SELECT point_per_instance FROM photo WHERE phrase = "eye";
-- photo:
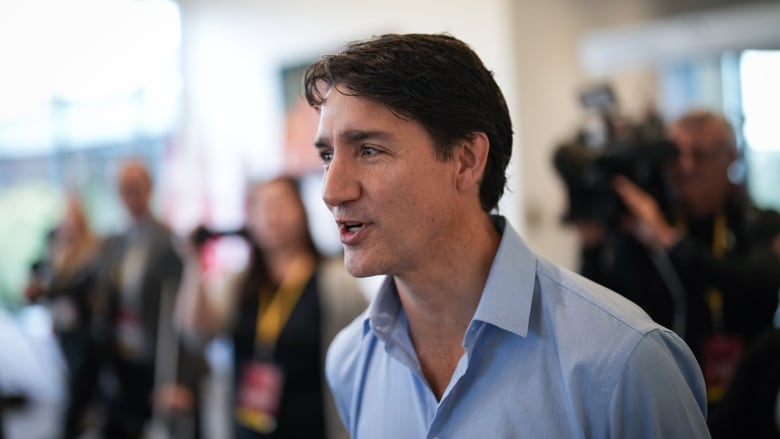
(326, 156)
(368, 151)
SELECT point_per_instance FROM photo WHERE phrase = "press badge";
(259, 395)
(722, 354)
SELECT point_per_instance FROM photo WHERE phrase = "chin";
(360, 265)
(358, 270)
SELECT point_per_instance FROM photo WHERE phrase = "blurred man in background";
(706, 266)
(155, 374)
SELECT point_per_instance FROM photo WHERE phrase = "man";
(471, 335)
(141, 274)
(711, 265)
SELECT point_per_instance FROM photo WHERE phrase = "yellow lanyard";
(714, 296)
(273, 315)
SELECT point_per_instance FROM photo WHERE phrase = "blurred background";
(206, 92)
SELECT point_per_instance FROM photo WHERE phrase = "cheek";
(400, 196)
(258, 225)
(420, 202)
(410, 192)
(254, 231)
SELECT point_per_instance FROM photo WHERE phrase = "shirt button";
(382, 322)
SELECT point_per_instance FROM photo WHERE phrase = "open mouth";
(351, 227)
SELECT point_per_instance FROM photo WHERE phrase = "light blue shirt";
(548, 354)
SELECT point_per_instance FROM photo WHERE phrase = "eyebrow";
(353, 136)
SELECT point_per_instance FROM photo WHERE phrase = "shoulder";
(345, 362)
(163, 231)
(341, 297)
(659, 391)
(343, 359)
(593, 325)
(110, 247)
(600, 308)
(640, 373)
(763, 224)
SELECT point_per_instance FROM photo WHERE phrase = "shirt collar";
(508, 294)
(506, 299)
(385, 309)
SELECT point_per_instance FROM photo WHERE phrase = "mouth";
(351, 232)
(350, 226)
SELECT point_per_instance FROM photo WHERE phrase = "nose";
(341, 182)
(685, 163)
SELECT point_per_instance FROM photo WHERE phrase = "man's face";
(135, 191)
(700, 172)
(393, 201)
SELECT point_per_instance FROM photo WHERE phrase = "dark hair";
(257, 273)
(434, 79)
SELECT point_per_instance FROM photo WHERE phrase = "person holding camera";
(281, 313)
(706, 266)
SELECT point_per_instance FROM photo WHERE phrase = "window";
(759, 73)
(83, 83)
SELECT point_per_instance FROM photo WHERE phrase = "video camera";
(638, 151)
(203, 234)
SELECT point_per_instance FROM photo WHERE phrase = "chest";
(438, 363)
(298, 344)
(504, 389)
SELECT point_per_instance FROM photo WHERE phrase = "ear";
(471, 158)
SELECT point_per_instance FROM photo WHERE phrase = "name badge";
(258, 396)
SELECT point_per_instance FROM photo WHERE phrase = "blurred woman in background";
(282, 311)
(65, 280)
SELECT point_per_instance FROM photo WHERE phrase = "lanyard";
(714, 296)
(273, 313)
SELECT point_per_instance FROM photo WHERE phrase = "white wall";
(549, 75)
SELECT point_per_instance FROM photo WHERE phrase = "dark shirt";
(747, 275)
(749, 406)
(298, 353)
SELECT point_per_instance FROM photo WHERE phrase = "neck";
(140, 216)
(705, 213)
(441, 301)
(280, 260)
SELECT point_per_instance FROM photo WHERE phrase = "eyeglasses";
(701, 155)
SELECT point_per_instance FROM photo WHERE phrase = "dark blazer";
(159, 283)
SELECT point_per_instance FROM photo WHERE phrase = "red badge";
(259, 394)
(721, 357)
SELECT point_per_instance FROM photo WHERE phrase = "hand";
(646, 221)
(591, 233)
(174, 398)
(34, 290)
(200, 236)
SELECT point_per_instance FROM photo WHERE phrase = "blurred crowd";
(134, 312)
